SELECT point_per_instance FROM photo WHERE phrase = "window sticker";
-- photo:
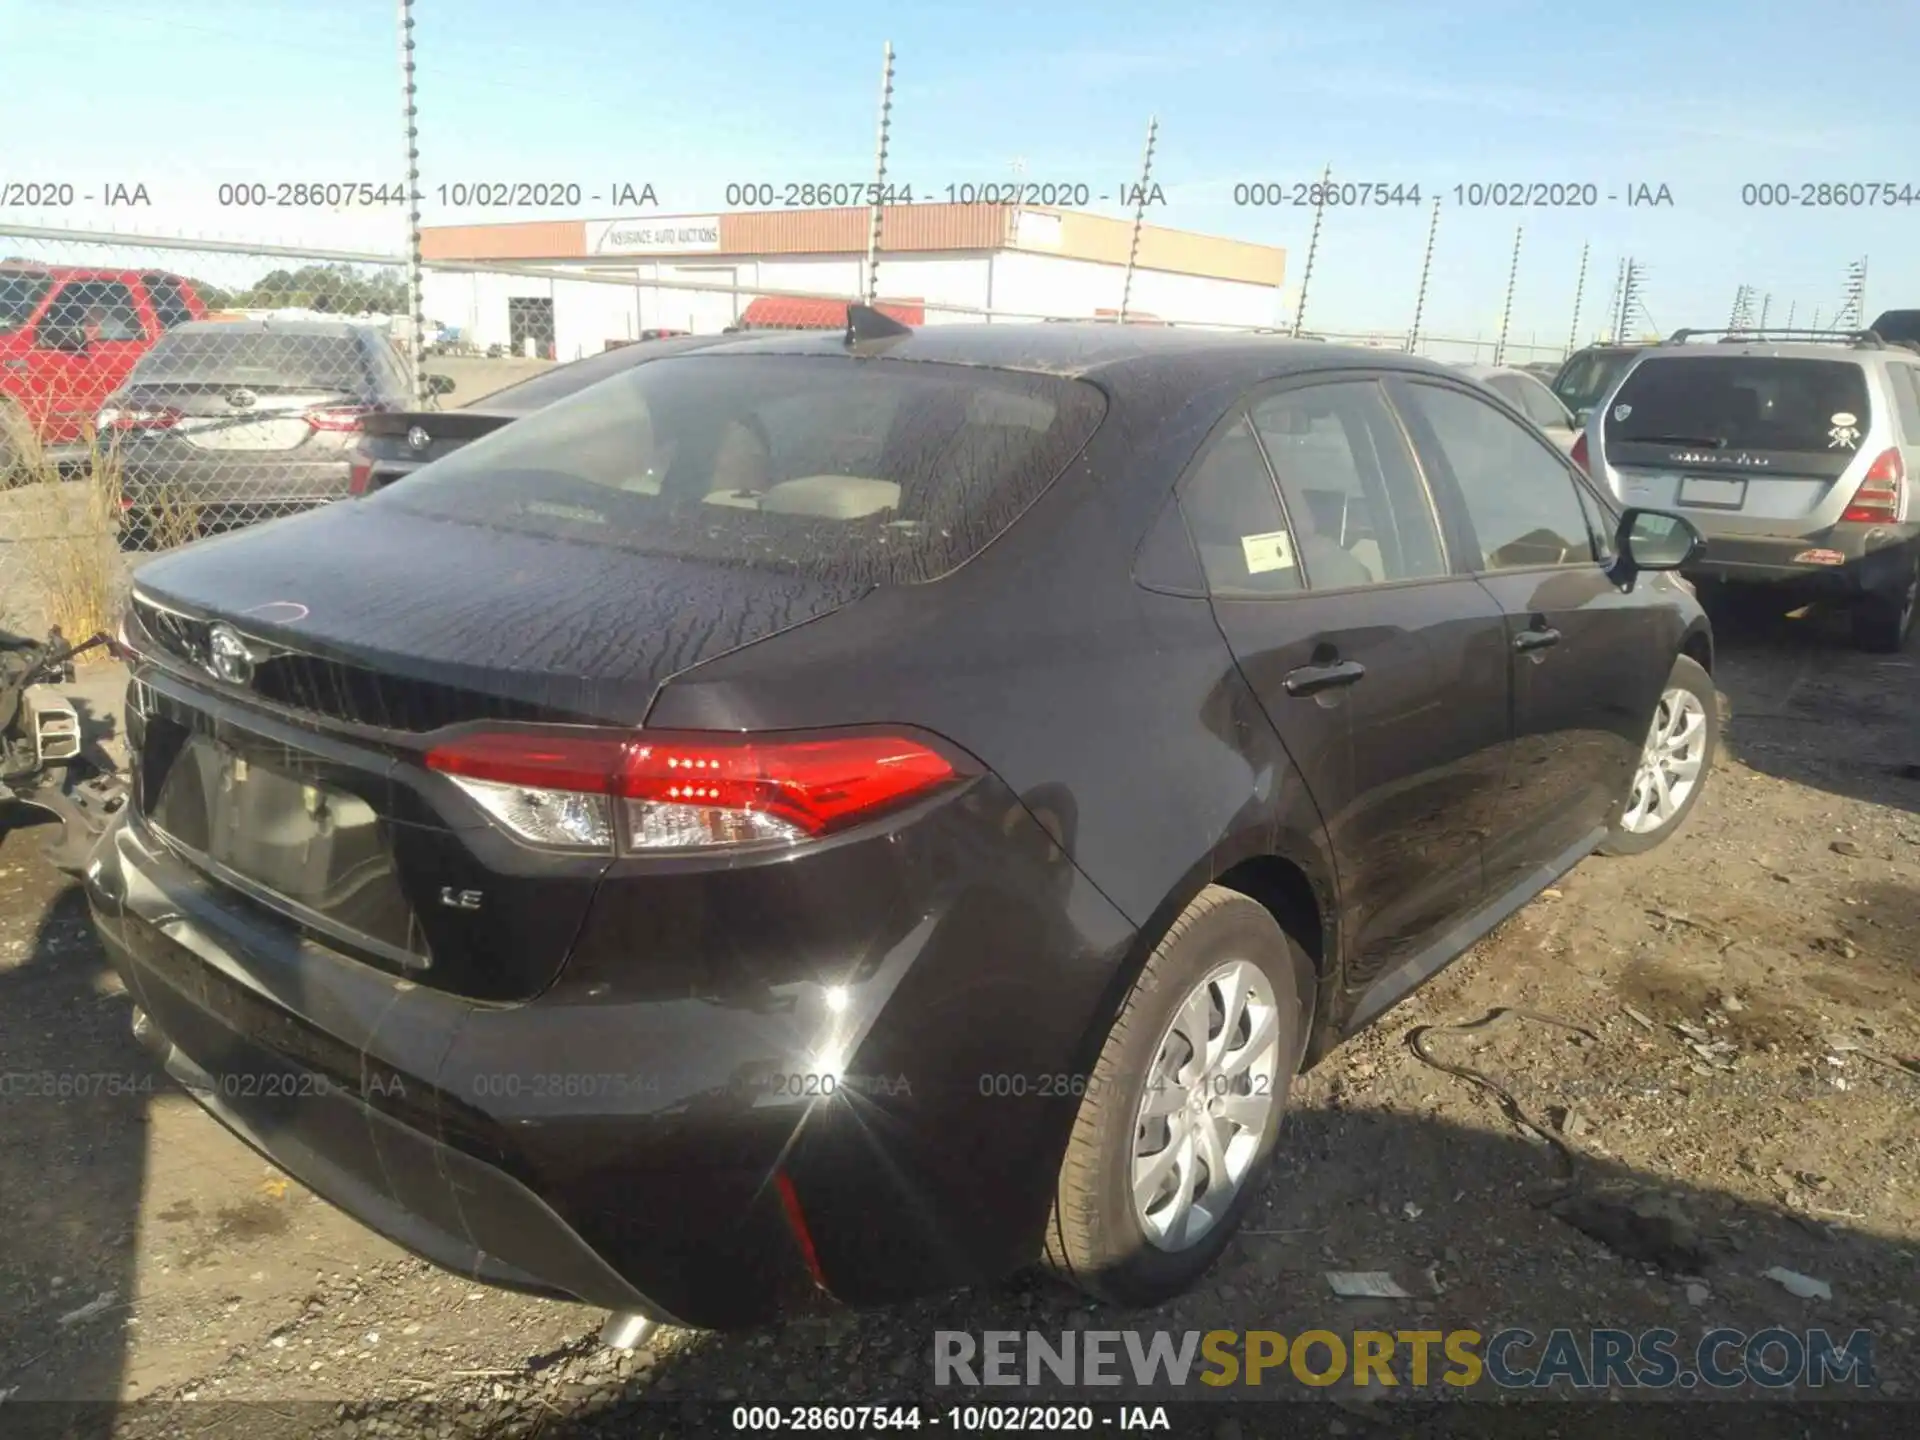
(1264, 553)
(1845, 434)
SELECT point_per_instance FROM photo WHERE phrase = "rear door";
(1587, 661)
(1383, 671)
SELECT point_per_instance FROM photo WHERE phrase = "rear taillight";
(1877, 501)
(1579, 452)
(687, 790)
(338, 417)
(124, 418)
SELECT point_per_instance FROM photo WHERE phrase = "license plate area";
(265, 433)
(1712, 492)
(281, 836)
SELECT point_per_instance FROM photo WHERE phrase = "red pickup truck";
(68, 337)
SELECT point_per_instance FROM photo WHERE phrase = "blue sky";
(1702, 97)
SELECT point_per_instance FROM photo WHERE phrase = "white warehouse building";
(704, 273)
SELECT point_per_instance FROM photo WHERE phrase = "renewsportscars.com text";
(1774, 1358)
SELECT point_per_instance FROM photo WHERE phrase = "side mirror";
(71, 339)
(1654, 540)
(1580, 418)
(440, 384)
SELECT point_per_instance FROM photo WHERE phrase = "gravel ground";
(1743, 1099)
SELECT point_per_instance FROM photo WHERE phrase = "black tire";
(1688, 675)
(1094, 1239)
(1883, 622)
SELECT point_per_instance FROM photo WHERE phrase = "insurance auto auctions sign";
(666, 235)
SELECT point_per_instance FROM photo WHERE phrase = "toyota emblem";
(418, 439)
(241, 399)
(228, 657)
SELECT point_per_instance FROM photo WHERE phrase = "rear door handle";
(1312, 679)
(1536, 639)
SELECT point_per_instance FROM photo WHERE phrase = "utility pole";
(1426, 269)
(1506, 311)
(1579, 291)
(878, 210)
(1613, 305)
(1139, 215)
(1313, 246)
(416, 311)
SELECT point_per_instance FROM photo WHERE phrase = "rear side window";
(1234, 516)
(105, 309)
(168, 303)
(1742, 402)
(242, 355)
(1519, 495)
(1360, 512)
(866, 470)
(1906, 394)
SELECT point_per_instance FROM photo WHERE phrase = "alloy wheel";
(1210, 1094)
(1670, 763)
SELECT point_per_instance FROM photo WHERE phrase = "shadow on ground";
(1809, 707)
(74, 1094)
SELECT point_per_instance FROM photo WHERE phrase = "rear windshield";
(20, 296)
(1742, 402)
(244, 355)
(1584, 380)
(866, 470)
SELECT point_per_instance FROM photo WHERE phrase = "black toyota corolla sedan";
(859, 814)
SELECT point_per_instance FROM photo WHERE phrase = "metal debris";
(1794, 1283)
(1365, 1285)
(95, 1307)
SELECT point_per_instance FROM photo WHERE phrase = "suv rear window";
(244, 356)
(874, 471)
(1742, 402)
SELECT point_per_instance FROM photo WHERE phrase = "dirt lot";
(1746, 1100)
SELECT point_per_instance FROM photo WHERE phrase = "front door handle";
(1536, 639)
(1312, 679)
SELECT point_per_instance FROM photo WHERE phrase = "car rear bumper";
(705, 1151)
(520, 1170)
(1844, 560)
(232, 479)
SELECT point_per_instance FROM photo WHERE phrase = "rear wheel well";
(1283, 888)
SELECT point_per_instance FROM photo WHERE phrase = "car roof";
(38, 271)
(1765, 350)
(329, 329)
(1487, 372)
(1091, 349)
